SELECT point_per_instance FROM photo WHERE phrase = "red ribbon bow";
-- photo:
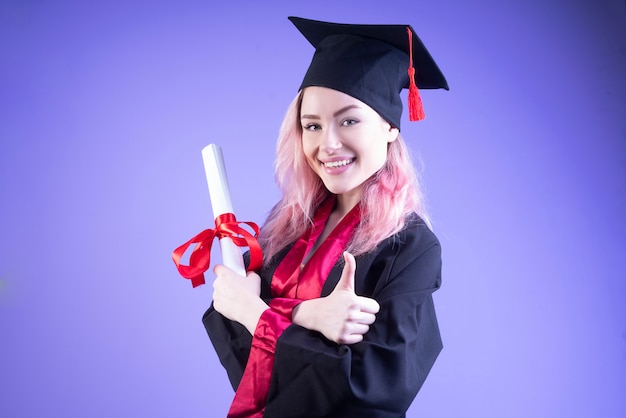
(226, 226)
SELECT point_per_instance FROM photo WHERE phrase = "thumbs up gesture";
(342, 316)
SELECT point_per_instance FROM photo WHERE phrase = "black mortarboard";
(371, 63)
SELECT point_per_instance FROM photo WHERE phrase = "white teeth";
(334, 164)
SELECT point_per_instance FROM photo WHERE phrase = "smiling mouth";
(340, 163)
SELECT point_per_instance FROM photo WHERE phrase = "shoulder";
(411, 259)
(415, 236)
(414, 241)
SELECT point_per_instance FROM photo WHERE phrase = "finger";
(222, 269)
(358, 329)
(218, 268)
(351, 339)
(368, 305)
(363, 318)
(346, 281)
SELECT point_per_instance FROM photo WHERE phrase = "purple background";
(105, 106)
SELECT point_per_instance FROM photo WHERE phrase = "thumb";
(346, 281)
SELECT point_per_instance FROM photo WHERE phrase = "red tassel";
(416, 108)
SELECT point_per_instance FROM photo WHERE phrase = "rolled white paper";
(220, 202)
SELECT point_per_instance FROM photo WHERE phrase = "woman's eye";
(349, 122)
(311, 127)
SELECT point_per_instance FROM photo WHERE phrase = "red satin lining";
(290, 286)
(226, 226)
(315, 272)
(249, 401)
(285, 280)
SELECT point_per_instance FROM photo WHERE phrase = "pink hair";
(388, 197)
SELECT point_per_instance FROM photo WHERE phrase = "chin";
(339, 189)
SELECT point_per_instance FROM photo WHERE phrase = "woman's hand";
(342, 316)
(237, 297)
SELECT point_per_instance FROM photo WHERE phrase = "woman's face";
(344, 140)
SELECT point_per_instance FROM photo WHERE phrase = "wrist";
(252, 314)
(302, 314)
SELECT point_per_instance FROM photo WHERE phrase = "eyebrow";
(337, 113)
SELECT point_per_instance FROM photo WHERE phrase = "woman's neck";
(346, 202)
(339, 211)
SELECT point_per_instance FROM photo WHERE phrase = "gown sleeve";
(231, 341)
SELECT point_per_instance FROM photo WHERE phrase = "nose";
(330, 142)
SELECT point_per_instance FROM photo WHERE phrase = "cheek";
(381, 158)
(378, 151)
(308, 149)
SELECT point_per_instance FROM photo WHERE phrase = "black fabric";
(368, 62)
(378, 377)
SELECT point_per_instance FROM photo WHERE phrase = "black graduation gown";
(378, 377)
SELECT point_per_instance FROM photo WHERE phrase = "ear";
(392, 134)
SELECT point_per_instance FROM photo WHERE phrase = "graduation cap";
(371, 63)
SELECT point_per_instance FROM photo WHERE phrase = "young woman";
(339, 321)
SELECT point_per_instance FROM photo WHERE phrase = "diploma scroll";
(221, 203)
